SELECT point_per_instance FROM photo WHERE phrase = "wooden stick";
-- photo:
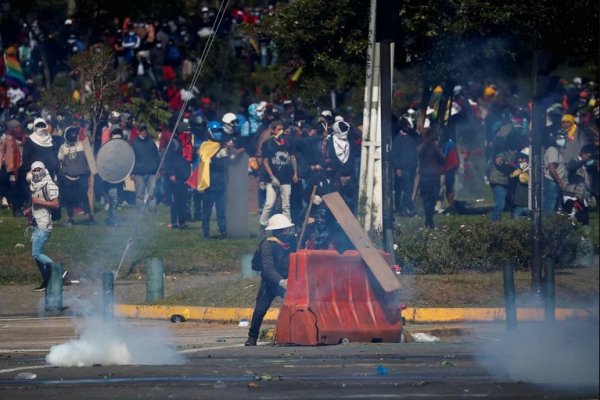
(308, 208)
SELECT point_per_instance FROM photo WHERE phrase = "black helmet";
(71, 134)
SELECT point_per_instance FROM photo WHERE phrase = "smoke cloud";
(111, 343)
(556, 355)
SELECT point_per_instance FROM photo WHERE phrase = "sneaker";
(69, 222)
(223, 236)
(184, 227)
(173, 226)
(40, 288)
(4, 202)
(250, 342)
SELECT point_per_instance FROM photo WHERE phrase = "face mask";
(560, 142)
(523, 165)
(37, 176)
(589, 163)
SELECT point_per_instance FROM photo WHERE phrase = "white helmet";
(278, 221)
(230, 121)
(229, 118)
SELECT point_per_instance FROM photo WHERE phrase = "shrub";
(479, 245)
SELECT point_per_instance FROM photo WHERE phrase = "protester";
(145, 169)
(519, 186)
(431, 162)
(77, 163)
(555, 176)
(214, 154)
(577, 194)
(44, 196)
(272, 257)
(178, 161)
(281, 170)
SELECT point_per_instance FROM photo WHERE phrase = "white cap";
(338, 118)
(278, 221)
(326, 113)
(39, 121)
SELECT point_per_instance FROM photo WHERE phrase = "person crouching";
(274, 258)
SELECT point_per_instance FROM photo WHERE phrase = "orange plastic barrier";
(333, 298)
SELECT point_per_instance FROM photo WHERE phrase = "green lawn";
(91, 250)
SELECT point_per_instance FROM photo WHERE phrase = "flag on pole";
(13, 72)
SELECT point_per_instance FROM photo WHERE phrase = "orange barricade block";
(332, 298)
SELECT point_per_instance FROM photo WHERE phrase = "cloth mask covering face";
(589, 163)
(560, 142)
(523, 165)
(38, 176)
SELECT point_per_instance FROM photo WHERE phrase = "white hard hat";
(278, 221)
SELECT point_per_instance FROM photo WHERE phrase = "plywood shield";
(115, 160)
(359, 238)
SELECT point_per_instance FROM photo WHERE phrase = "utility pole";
(538, 123)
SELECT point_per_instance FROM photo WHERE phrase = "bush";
(479, 245)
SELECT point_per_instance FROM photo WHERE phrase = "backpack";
(75, 164)
(256, 259)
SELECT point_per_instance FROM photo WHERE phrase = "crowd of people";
(297, 156)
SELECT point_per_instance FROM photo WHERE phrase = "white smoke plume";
(555, 355)
(110, 343)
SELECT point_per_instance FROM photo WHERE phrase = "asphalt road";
(487, 363)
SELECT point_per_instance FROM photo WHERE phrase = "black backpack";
(256, 259)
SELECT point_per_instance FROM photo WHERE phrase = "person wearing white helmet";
(272, 258)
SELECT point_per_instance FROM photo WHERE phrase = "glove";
(317, 200)
(283, 283)
(275, 182)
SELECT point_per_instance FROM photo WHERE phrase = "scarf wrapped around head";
(573, 128)
(340, 140)
(41, 137)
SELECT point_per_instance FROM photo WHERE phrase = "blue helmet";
(215, 130)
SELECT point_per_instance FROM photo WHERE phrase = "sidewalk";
(411, 315)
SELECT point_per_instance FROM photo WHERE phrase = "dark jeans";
(499, 193)
(552, 194)
(430, 190)
(216, 198)
(178, 202)
(404, 187)
(75, 193)
(265, 296)
(197, 199)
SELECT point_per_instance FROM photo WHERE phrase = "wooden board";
(359, 238)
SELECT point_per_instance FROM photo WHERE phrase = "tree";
(328, 39)
(151, 113)
(97, 84)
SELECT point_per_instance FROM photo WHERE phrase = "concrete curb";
(412, 315)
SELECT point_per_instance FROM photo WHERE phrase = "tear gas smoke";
(554, 355)
(111, 343)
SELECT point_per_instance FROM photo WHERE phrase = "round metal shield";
(115, 160)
